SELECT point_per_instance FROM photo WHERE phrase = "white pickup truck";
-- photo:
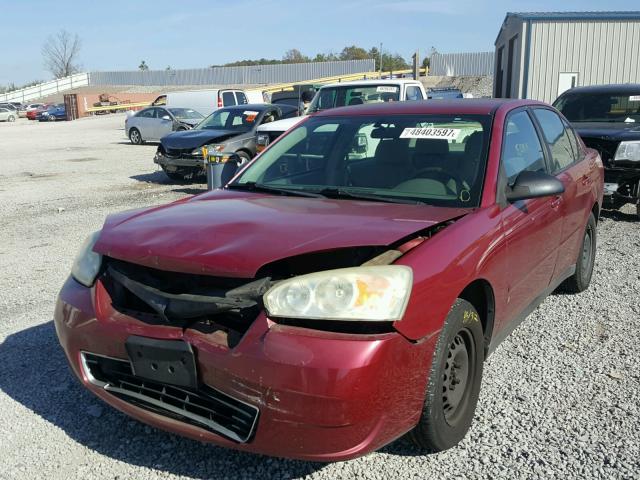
(342, 94)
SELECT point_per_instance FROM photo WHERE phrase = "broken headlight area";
(212, 305)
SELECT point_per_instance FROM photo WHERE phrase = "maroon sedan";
(345, 287)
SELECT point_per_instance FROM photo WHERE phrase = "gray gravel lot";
(559, 397)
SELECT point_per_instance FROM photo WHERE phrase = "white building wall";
(599, 52)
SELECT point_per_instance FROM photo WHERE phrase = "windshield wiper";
(261, 187)
(342, 193)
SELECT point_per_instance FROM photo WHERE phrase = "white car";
(345, 94)
(204, 101)
(7, 115)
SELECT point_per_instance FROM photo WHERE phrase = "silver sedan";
(153, 123)
(7, 115)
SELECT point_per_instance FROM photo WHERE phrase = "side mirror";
(166, 117)
(534, 185)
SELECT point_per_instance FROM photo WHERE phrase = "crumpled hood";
(195, 138)
(233, 234)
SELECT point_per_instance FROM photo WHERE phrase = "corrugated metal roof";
(604, 15)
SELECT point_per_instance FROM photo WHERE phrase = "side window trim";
(548, 155)
(546, 148)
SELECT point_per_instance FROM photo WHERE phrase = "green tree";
(143, 66)
(354, 53)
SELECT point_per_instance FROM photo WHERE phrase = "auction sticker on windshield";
(433, 132)
(634, 98)
(383, 89)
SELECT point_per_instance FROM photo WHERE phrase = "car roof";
(610, 88)
(251, 106)
(376, 81)
(469, 106)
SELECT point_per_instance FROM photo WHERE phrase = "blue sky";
(117, 35)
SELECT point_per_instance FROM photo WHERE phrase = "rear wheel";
(454, 381)
(135, 137)
(579, 281)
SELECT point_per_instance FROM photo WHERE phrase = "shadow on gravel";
(34, 372)
(619, 216)
(160, 178)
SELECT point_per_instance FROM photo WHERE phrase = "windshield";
(439, 160)
(186, 114)
(332, 97)
(237, 119)
(600, 107)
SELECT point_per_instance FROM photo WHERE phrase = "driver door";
(532, 227)
(162, 125)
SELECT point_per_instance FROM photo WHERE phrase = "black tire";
(11, 118)
(454, 381)
(186, 174)
(135, 136)
(579, 281)
(244, 158)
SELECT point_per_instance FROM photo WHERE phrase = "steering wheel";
(442, 176)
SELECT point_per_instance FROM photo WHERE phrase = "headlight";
(376, 293)
(629, 151)
(87, 263)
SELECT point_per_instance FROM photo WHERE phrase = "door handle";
(555, 203)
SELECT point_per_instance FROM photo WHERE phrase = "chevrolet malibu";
(345, 288)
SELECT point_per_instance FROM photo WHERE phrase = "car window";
(522, 150)
(241, 98)
(270, 116)
(148, 113)
(332, 97)
(228, 99)
(161, 112)
(573, 139)
(414, 93)
(435, 159)
(600, 107)
(556, 136)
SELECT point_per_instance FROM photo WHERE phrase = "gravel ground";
(559, 397)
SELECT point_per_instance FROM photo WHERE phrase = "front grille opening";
(206, 408)
(233, 323)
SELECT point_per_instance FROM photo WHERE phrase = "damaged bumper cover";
(317, 395)
(179, 160)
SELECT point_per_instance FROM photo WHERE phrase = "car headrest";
(432, 146)
(473, 145)
(386, 132)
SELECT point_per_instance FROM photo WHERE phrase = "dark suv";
(607, 117)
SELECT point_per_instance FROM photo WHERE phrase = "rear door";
(568, 164)
(532, 227)
(228, 98)
(241, 98)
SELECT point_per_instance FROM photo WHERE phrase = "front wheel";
(135, 137)
(579, 281)
(11, 118)
(454, 381)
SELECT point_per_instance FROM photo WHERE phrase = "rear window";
(332, 97)
(228, 99)
(600, 107)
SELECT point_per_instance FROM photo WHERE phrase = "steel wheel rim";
(457, 378)
(587, 251)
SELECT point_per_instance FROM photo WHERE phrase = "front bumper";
(321, 396)
(179, 161)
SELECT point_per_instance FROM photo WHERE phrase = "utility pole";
(380, 63)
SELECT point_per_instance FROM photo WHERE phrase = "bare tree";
(60, 53)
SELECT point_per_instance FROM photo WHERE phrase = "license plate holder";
(163, 361)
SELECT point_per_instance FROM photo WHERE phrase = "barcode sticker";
(383, 89)
(432, 132)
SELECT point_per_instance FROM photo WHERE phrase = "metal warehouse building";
(540, 55)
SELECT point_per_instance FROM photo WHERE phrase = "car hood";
(233, 234)
(608, 130)
(195, 138)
